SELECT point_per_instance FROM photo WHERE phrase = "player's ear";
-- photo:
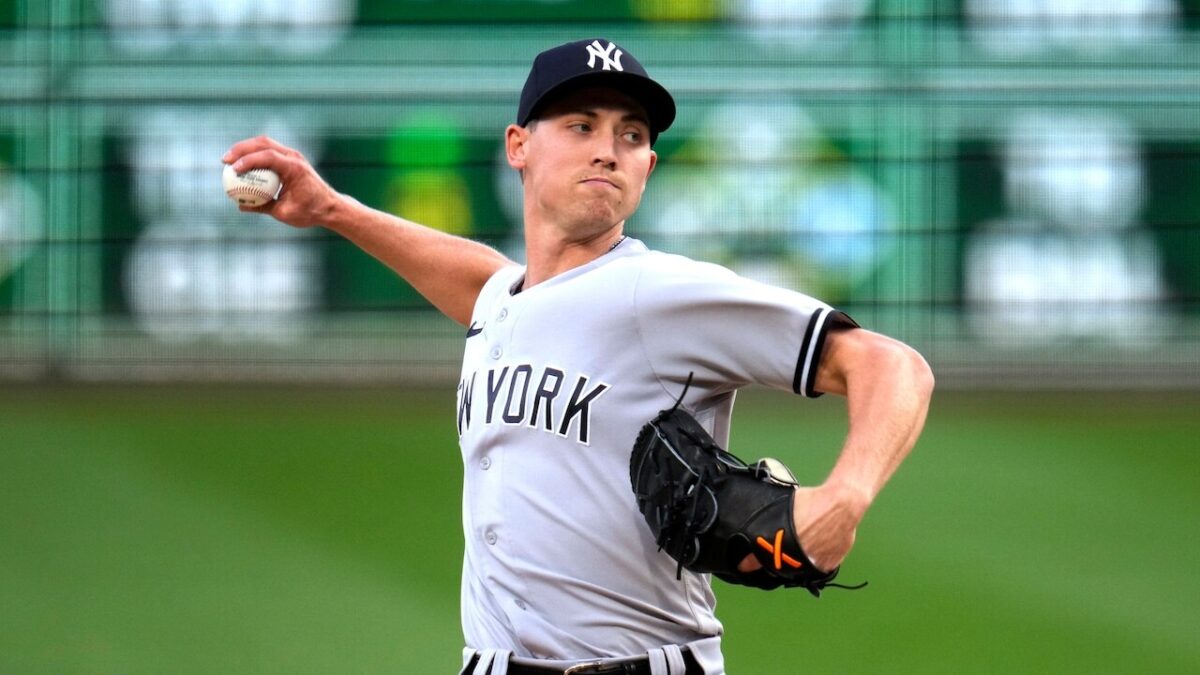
(653, 163)
(515, 145)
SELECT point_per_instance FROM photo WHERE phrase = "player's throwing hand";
(305, 197)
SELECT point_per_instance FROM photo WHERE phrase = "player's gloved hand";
(709, 510)
(826, 519)
(305, 199)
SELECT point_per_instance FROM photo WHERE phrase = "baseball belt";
(635, 666)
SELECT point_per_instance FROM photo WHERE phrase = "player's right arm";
(448, 270)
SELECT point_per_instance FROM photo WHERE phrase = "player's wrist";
(855, 497)
(341, 212)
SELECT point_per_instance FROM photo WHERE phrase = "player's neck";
(549, 254)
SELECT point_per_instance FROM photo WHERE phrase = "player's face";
(585, 161)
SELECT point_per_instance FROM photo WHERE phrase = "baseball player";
(567, 358)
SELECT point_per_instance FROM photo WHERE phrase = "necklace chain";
(521, 284)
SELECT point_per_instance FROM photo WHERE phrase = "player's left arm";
(887, 386)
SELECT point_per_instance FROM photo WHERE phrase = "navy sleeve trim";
(811, 347)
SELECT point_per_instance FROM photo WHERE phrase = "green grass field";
(264, 530)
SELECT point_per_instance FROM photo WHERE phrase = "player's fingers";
(256, 144)
(265, 208)
(749, 564)
(246, 146)
(286, 166)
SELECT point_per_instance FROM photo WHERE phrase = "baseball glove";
(708, 509)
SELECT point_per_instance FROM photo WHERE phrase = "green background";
(244, 527)
(273, 530)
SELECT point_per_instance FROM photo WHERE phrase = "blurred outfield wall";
(1013, 187)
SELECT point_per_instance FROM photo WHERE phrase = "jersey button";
(490, 537)
(496, 352)
(485, 463)
(503, 314)
(520, 604)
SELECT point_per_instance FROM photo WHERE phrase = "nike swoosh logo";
(473, 331)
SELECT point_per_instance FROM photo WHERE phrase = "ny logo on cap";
(609, 59)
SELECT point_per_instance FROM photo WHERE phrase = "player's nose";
(604, 153)
(608, 162)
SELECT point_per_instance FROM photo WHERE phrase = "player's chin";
(601, 212)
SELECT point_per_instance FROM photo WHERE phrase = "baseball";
(253, 188)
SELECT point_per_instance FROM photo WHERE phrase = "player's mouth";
(600, 181)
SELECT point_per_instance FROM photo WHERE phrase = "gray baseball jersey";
(557, 380)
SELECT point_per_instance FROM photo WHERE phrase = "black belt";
(638, 666)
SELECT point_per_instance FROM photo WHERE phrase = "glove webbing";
(691, 526)
(684, 498)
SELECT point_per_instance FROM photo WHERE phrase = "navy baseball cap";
(598, 62)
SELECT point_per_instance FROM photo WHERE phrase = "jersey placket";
(491, 513)
(498, 336)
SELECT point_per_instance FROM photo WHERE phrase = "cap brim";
(653, 97)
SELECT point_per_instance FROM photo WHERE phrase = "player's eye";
(581, 127)
(633, 136)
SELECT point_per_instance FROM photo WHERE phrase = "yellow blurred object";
(676, 10)
(437, 198)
